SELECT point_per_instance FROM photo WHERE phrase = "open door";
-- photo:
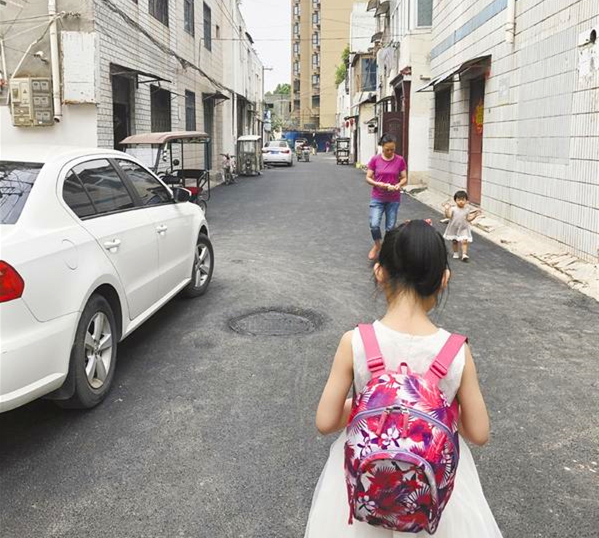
(475, 139)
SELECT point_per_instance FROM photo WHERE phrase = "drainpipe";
(55, 61)
(510, 23)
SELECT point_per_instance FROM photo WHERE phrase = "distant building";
(319, 34)
(279, 105)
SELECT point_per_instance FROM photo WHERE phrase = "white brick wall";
(541, 126)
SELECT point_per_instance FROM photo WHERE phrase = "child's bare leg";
(465, 250)
(454, 246)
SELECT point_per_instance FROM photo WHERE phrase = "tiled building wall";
(541, 123)
(120, 42)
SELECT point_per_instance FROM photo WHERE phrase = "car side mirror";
(181, 195)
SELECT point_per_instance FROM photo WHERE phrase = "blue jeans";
(377, 208)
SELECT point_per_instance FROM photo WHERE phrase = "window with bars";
(189, 17)
(315, 38)
(207, 27)
(316, 17)
(159, 10)
(160, 109)
(190, 111)
(316, 59)
(296, 47)
(442, 118)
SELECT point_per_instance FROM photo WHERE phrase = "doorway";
(475, 139)
(122, 108)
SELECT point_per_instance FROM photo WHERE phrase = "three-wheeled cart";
(179, 158)
(342, 150)
(249, 155)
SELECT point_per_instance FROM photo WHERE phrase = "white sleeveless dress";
(467, 514)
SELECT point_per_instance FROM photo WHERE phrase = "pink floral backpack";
(402, 451)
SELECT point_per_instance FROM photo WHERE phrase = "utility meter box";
(31, 102)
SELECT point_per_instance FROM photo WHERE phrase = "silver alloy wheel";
(98, 350)
(202, 264)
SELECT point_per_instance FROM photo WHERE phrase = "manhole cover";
(274, 322)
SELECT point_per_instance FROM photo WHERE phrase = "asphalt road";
(210, 433)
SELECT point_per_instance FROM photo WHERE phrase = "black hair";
(386, 138)
(414, 255)
(460, 195)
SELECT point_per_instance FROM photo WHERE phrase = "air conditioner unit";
(31, 102)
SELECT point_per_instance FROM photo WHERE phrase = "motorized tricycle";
(249, 155)
(179, 158)
(342, 150)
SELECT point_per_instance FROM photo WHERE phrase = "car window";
(16, 182)
(150, 190)
(104, 186)
(76, 197)
(278, 144)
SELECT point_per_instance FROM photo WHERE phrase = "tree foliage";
(341, 71)
(283, 89)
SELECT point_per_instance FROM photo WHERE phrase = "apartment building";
(515, 88)
(319, 34)
(104, 69)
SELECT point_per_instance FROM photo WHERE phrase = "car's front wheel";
(93, 355)
(203, 266)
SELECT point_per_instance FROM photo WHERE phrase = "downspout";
(55, 62)
(510, 23)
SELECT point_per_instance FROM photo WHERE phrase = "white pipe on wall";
(510, 23)
(55, 62)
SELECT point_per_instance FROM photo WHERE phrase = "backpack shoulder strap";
(444, 359)
(374, 357)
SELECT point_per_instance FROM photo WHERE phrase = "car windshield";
(277, 144)
(16, 182)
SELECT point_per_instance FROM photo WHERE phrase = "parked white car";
(92, 244)
(277, 152)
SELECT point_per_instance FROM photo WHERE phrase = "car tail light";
(286, 151)
(265, 151)
(11, 283)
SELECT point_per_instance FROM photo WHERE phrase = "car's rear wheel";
(93, 355)
(203, 267)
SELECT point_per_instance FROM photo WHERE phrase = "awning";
(372, 120)
(377, 37)
(382, 100)
(383, 8)
(365, 97)
(122, 71)
(447, 77)
(217, 97)
(372, 4)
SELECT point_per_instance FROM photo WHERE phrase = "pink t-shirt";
(386, 172)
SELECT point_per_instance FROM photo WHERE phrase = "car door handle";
(112, 245)
(162, 228)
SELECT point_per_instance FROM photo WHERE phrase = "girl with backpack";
(400, 468)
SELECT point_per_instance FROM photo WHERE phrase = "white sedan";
(92, 244)
(277, 152)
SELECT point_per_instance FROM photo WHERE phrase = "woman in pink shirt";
(387, 175)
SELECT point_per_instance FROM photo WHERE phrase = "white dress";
(467, 514)
(459, 229)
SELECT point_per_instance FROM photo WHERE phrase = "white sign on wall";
(79, 67)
